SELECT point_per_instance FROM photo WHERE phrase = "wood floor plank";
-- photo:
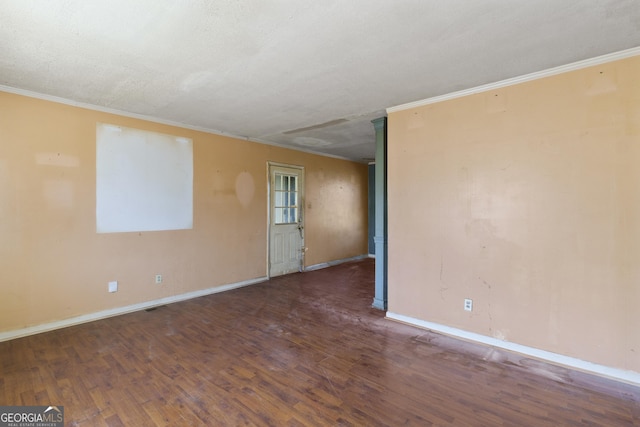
(299, 350)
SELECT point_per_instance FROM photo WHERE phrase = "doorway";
(286, 219)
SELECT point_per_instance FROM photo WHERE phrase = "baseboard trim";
(335, 262)
(85, 318)
(629, 377)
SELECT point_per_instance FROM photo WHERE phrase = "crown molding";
(623, 54)
(152, 119)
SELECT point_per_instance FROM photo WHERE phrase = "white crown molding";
(629, 377)
(92, 107)
(46, 327)
(623, 54)
(101, 109)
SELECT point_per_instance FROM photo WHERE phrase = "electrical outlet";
(158, 278)
(468, 304)
(113, 286)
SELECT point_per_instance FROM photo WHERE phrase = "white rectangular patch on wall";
(144, 180)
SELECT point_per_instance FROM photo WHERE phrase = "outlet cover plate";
(113, 286)
(468, 304)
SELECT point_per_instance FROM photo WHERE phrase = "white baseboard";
(335, 262)
(85, 318)
(629, 377)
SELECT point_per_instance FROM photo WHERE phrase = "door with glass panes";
(286, 227)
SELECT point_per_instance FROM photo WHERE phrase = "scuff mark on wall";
(600, 82)
(496, 102)
(57, 159)
(489, 299)
(442, 289)
(245, 188)
(500, 334)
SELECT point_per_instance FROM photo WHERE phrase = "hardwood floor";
(304, 349)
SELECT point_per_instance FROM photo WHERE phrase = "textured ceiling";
(309, 74)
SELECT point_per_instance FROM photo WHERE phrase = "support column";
(380, 237)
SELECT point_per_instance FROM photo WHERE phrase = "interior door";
(286, 224)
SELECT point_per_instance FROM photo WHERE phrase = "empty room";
(363, 213)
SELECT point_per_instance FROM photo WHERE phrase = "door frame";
(302, 199)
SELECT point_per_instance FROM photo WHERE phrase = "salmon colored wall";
(525, 199)
(55, 266)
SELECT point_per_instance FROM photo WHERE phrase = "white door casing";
(286, 219)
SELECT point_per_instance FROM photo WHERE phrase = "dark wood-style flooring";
(304, 349)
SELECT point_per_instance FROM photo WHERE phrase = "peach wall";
(525, 199)
(55, 266)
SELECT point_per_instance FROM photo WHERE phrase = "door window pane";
(286, 198)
